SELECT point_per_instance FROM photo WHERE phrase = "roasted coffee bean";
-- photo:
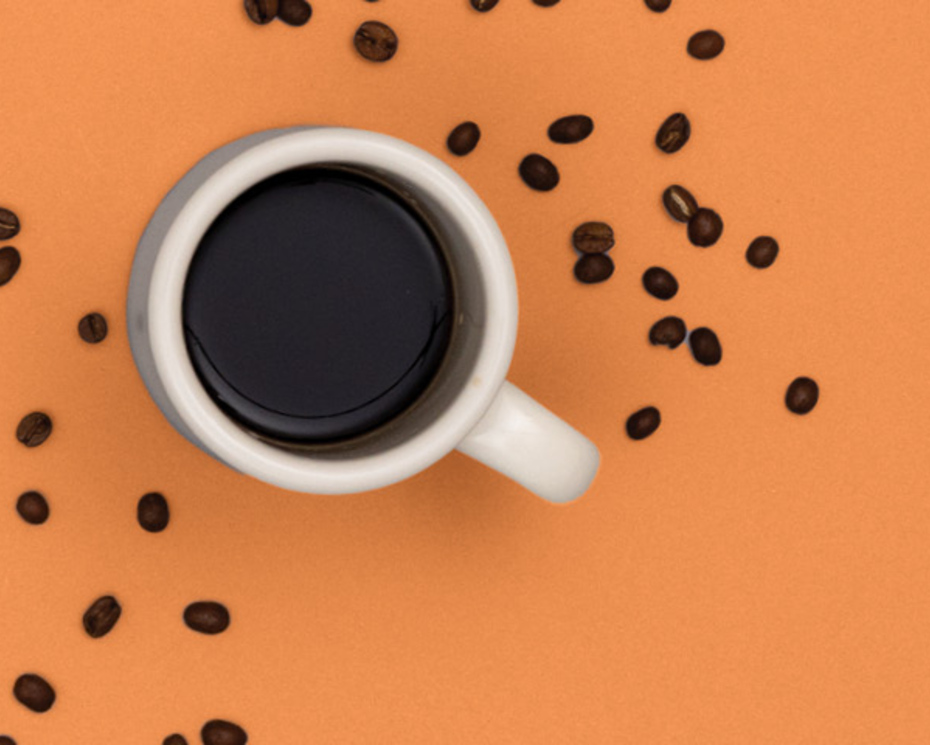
(705, 346)
(658, 6)
(102, 616)
(762, 252)
(679, 203)
(483, 6)
(669, 331)
(593, 238)
(705, 45)
(376, 41)
(9, 224)
(7, 740)
(10, 261)
(802, 395)
(673, 134)
(261, 11)
(464, 138)
(207, 617)
(180, 739)
(546, 3)
(539, 173)
(34, 692)
(643, 423)
(92, 328)
(594, 268)
(34, 429)
(294, 12)
(32, 507)
(153, 513)
(660, 283)
(218, 732)
(571, 129)
(705, 228)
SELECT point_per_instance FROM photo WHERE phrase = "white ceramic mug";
(469, 406)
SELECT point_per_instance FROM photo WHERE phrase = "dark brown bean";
(9, 224)
(92, 328)
(660, 283)
(658, 6)
(802, 395)
(593, 238)
(153, 513)
(34, 692)
(219, 732)
(261, 11)
(705, 346)
(705, 45)
(669, 331)
(180, 739)
(546, 3)
(674, 133)
(10, 261)
(294, 12)
(762, 252)
(376, 41)
(7, 740)
(539, 173)
(34, 429)
(643, 423)
(464, 138)
(705, 228)
(593, 268)
(207, 617)
(33, 507)
(571, 129)
(483, 6)
(102, 616)
(679, 203)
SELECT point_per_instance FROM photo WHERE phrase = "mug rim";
(302, 471)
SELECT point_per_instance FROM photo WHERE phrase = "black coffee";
(318, 306)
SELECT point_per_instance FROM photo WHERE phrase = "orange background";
(743, 576)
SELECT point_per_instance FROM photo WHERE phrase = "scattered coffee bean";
(539, 173)
(643, 423)
(660, 283)
(10, 261)
(294, 12)
(92, 328)
(218, 732)
(32, 507)
(669, 331)
(207, 617)
(102, 616)
(34, 429)
(705, 45)
(180, 739)
(802, 395)
(153, 513)
(7, 740)
(483, 6)
(34, 693)
(705, 228)
(261, 11)
(679, 203)
(546, 3)
(594, 268)
(658, 6)
(571, 129)
(593, 238)
(762, 252)
(705, 346)
(376, 41)
(673, 134)
(9, 224)
(464, 138)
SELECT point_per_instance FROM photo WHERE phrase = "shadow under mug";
(469, 406)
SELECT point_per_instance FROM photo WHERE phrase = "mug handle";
(525, 441)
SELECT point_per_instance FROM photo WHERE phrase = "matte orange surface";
(743, 576)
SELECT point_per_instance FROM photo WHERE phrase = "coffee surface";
(318, 306)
